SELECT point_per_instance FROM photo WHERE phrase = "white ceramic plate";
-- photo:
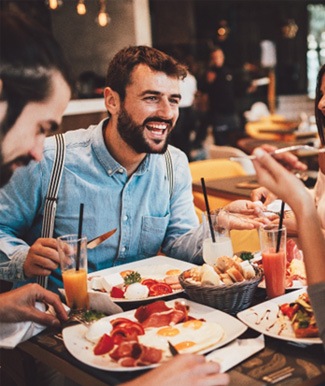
(153, 268)
(79, 347)
(266, 319)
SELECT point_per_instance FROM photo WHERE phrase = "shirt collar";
(106, 159)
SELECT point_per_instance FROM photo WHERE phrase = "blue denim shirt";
(139, 206)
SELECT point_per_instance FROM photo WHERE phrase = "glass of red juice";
(274, 257)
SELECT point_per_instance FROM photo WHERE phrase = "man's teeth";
(157, 128)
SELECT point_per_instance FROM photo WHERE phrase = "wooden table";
(240, 187)
(230, 188)
(308, 361)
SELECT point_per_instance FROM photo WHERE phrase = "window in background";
(315, 44)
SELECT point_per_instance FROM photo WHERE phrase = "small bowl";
(227, 298)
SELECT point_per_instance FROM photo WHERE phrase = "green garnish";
(133, 277)
(246, 256)
(92, 315)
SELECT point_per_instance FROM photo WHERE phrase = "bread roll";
(226, 279)
(235, 274)
(209, 276)
(248, 270)
(224, 263)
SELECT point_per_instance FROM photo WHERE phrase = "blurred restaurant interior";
(281, 40)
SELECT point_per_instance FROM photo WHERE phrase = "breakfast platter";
(207, 330)
(150, 279)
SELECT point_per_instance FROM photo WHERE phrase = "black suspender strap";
(51, 197)
(170, 172)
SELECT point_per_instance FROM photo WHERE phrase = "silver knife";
(98, 240)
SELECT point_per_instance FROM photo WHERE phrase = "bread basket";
(230, 298)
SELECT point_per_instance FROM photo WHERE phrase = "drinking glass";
(221, 246)
(73, 262)
(273, 248)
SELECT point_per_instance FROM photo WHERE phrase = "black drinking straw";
(81, 214)
(280, 227)
(208, 209)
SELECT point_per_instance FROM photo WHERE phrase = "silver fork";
(282, 150)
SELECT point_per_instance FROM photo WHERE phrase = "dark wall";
(250, 22)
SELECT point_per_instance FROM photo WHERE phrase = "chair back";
(215, 151)
(211, 169)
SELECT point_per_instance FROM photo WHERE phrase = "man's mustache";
(157, 119)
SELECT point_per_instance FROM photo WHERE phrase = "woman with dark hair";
(33, 75)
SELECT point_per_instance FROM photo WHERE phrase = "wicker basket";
(228, 298)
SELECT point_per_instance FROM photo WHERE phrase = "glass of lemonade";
(273, 260)
(221, 245)
(73, 261)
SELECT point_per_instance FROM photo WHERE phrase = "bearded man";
(119, 170)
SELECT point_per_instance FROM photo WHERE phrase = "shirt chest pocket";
(153, 231)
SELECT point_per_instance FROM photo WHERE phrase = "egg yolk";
(184, 345)
(195, 324)
(168, 331)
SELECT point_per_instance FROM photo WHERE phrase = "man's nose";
(165, 110)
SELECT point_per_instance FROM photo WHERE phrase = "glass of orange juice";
(274, 258)
(73, 262)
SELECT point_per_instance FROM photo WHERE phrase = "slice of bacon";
(143, 312)
(129, 354)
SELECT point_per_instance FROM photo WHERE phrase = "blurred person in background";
(220, 87)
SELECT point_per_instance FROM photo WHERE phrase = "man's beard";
(6, 170)
(133, 135)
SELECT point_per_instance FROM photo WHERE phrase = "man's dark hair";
(119, 73)
(29, 57)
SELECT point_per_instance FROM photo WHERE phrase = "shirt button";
(109, 171)
(123, 249)
(125, 218)
(120, 170)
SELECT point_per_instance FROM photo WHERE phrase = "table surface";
(308, 361)
(239, 187)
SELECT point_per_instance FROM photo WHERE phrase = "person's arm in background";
(19, 305)
(291, 190)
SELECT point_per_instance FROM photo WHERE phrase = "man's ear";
(112, 101)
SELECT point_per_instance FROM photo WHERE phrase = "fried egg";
(188, 337)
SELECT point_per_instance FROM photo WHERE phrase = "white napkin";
(12, 334)
(101, 302)
(235, 352)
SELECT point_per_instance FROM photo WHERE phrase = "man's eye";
(174, 101)
(151, 98)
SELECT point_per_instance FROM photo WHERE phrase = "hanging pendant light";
(81, 7)
(103, 18)
(54, 4)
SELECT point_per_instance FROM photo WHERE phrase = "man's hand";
(19, 306)
(42, 258)
(244, 214)
(263, 195)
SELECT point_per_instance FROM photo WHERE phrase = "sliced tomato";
(149, 282)
(160, 289)
(117, 321)
(117, 292)
(104, 345)
(289, 310)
